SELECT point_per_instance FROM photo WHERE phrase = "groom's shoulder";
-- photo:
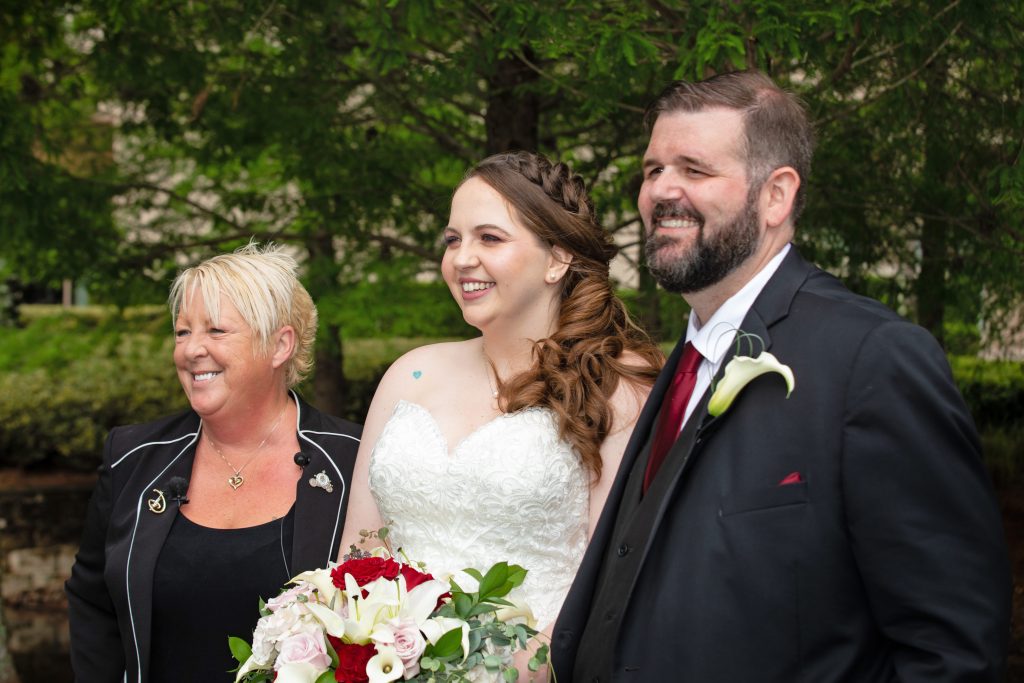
(829, 296)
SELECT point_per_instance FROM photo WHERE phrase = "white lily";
(250, 664)
(518, 611)
(382, 602)
(298, 672)
(422, 600)
(321, 578)
(739, 372)
(434, 628)
(334, 623)
(385, 666)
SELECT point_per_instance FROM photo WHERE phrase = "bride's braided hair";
(578, 368)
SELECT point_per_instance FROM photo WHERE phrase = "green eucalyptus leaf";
(511, 675)
(475, 640)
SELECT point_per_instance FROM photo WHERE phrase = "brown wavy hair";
(578, 368)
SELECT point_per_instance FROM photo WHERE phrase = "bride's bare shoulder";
(435, 355)
(427, 365)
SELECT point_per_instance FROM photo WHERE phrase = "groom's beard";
(712, 256)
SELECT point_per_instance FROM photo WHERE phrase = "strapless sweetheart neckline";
(479, 429)
(510, 490)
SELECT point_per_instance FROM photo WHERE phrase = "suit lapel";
(576, 609)
(771, 305)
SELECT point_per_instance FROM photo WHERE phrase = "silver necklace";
(236, 479)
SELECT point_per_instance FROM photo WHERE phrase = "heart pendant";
(235, 481)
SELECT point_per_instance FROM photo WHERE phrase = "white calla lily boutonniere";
(741, 370)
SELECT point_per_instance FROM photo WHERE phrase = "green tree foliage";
(343, 127)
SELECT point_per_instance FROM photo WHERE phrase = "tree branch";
(875, 96)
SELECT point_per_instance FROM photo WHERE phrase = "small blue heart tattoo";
(416, 374)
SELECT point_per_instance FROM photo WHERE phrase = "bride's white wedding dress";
(511, 490)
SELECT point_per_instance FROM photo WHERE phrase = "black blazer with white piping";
(110, 589)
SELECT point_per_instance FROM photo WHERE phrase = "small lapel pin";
(322, 481)
(158, 504)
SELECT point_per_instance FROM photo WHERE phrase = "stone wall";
(41, 518)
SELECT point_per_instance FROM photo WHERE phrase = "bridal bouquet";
(373, 619)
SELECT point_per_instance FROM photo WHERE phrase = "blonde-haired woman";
(503, 447)
(196, 514)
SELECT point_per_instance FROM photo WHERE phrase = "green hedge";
(993, 389)
(66, 379)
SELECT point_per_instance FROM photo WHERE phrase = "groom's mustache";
(677, 210)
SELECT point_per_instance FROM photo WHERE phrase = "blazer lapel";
(150, 533)
(316, 514)
(319, 495)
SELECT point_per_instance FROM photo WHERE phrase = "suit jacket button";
(623, 550)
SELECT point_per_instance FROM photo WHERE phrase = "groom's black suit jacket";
(885, 561)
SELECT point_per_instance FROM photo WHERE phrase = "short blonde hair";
(261, 283)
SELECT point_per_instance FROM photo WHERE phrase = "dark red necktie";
(673, 408)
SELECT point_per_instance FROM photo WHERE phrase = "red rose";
(414, 577)
(365, 571)
(352, 661)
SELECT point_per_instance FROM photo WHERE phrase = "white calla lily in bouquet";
(374, 618)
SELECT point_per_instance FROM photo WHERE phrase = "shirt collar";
(714, 337)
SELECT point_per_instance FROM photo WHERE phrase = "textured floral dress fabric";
(509, 491)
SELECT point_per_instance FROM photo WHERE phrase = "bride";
(503, 447)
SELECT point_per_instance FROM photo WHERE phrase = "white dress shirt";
(714, 337)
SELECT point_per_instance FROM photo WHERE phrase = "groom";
(845, 533)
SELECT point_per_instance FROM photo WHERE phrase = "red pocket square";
(792, 478)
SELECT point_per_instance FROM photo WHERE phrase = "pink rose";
(288, 597)
(304, 647)
(409, 644)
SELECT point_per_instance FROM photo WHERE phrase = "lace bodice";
(511, 490)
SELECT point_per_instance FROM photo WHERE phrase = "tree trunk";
(931, 203)
(330, 386)
(649, 309)
(931, 282)
(513, 110)
(329, 381)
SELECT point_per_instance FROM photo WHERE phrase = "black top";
(206, 587)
